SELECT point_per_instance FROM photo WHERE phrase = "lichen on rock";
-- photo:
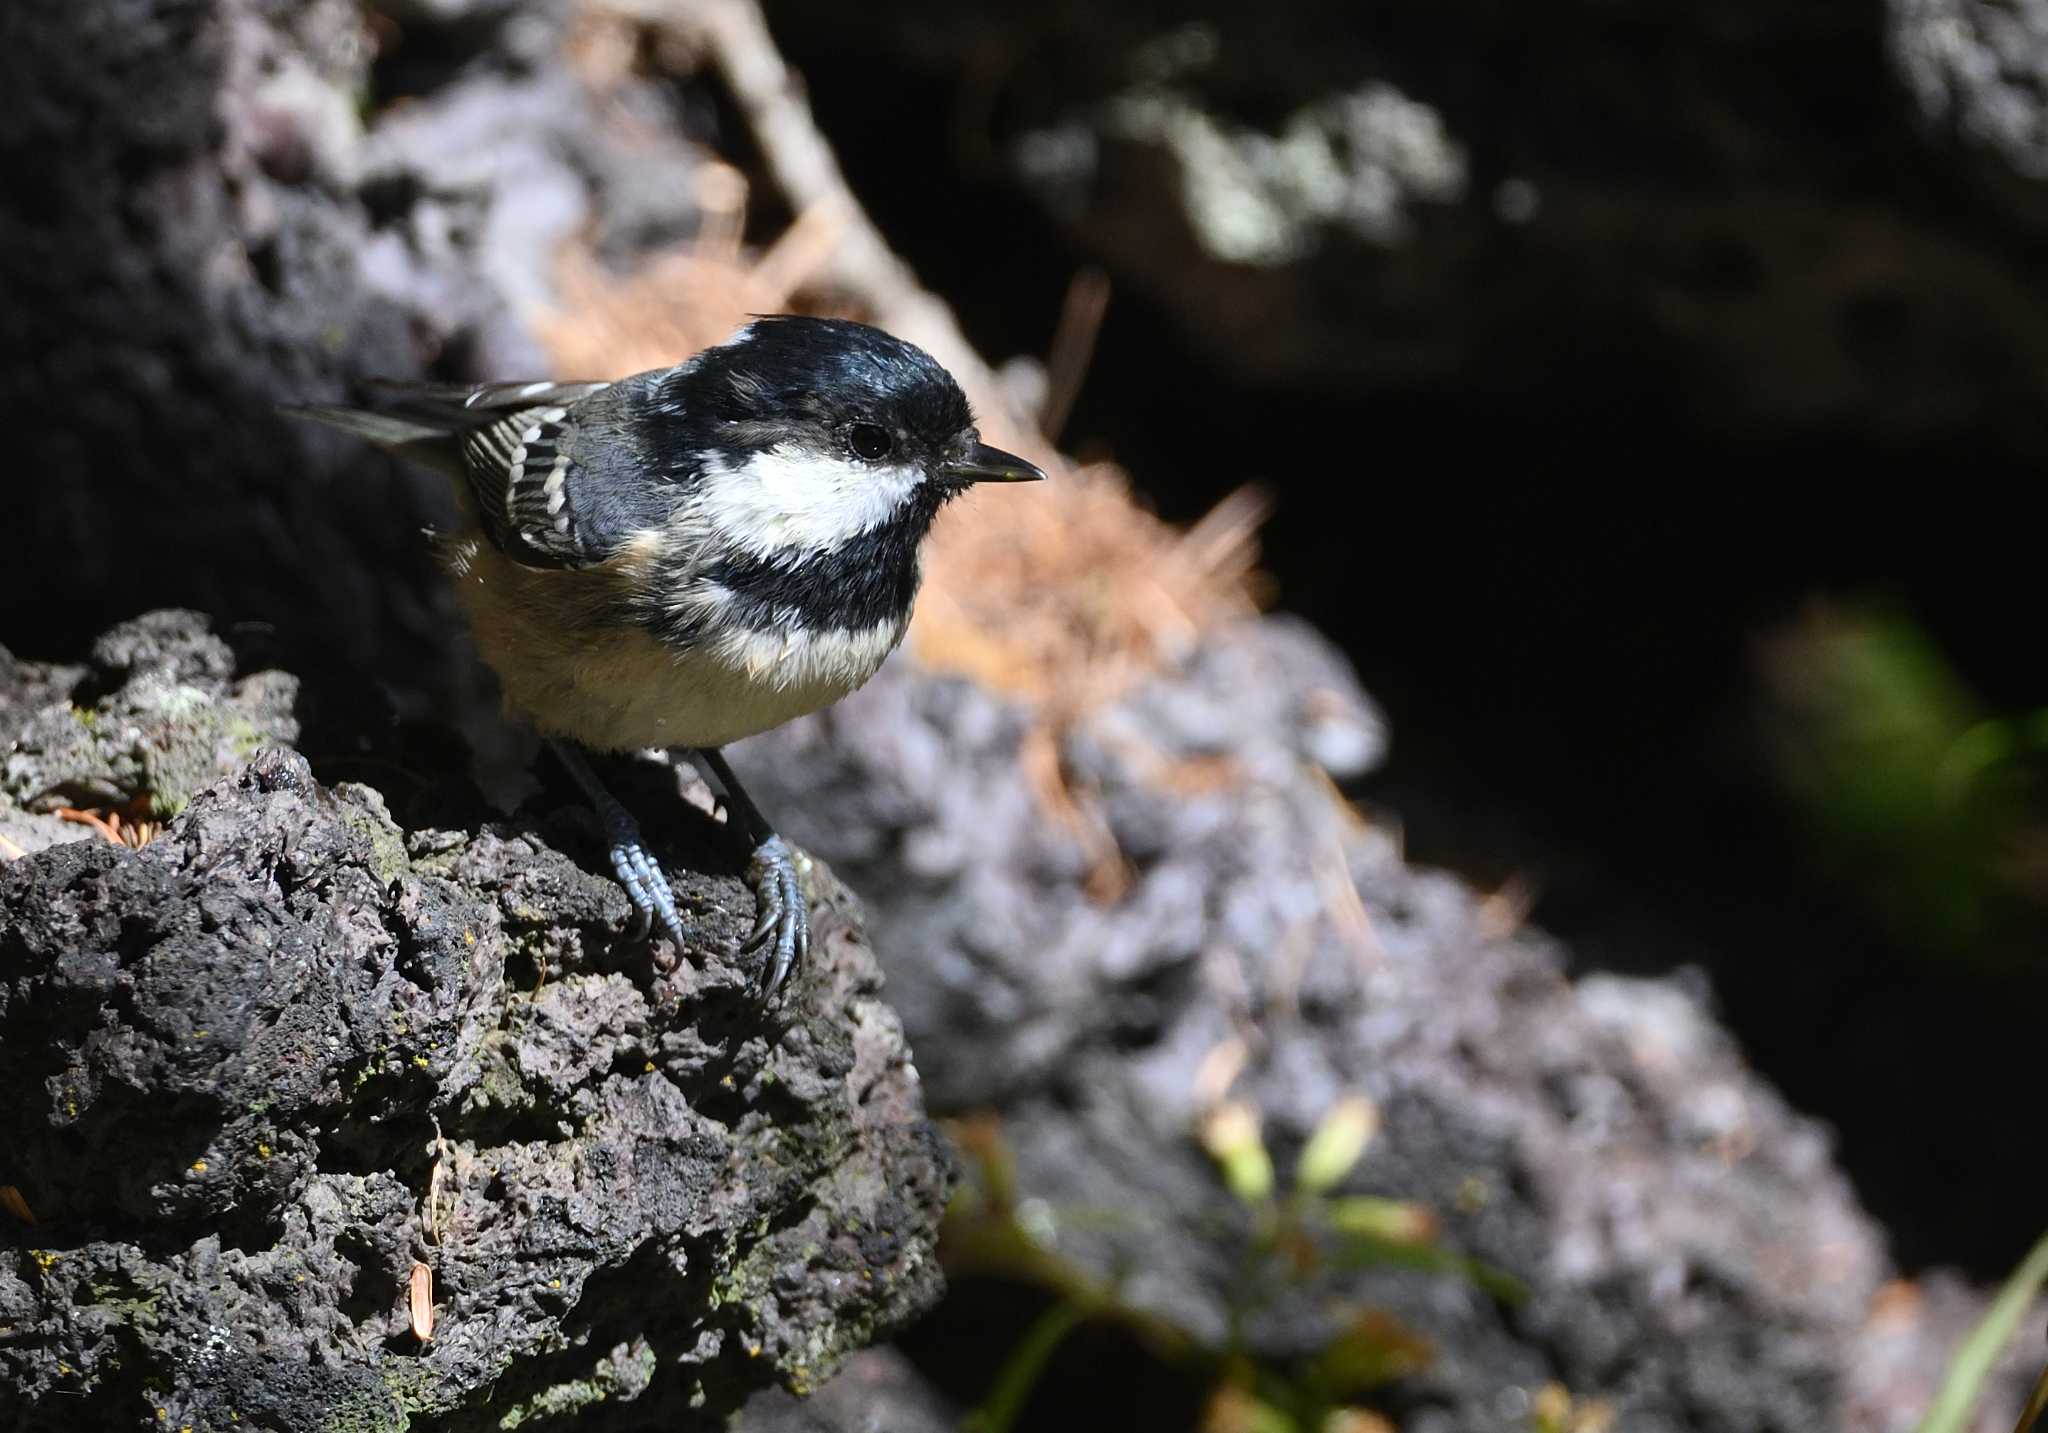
(154, 712)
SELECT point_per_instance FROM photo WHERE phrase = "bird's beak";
(984, 464)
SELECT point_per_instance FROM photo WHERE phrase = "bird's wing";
(549, 464)
(536, 503)
(527, 488)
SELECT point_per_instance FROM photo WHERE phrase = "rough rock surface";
(1694, 1257)
(279, 1055)
(156, 709)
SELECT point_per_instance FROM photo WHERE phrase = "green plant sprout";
(1920, 801)
(1289, 1235)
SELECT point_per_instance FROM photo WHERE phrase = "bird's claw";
(646, 887)
(784, 929)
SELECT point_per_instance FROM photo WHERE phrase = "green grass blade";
(1966, 1374)
(998, 1414)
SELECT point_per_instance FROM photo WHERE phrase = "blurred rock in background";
(1580, 346)
(1746, 213)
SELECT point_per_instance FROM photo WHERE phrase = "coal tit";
(696, 554)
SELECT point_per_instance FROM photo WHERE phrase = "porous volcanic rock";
(286, 1052)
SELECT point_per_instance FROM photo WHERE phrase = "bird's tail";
(427, 436)
(427, 422)
(386, 430)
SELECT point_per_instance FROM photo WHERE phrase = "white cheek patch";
(784, 499)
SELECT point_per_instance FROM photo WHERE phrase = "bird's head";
(815, 431)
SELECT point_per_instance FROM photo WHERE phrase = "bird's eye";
(869, 441)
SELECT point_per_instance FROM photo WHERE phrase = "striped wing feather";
(522, 481)
(511, 437)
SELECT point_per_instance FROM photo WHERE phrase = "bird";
(694, 555)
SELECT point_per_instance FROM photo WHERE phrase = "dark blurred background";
(1651, 397)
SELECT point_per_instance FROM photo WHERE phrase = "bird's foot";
(646, 885)
(783, 932)
(641, 874)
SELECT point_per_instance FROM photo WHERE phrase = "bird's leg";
(784, 928)
(646, 887)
